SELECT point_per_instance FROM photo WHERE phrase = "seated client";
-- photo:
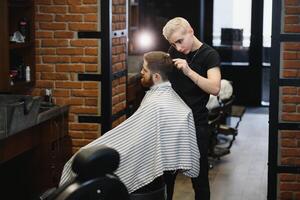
(158, 137)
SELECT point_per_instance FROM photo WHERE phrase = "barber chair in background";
(95, 179)
(222, 133)
(215, 119)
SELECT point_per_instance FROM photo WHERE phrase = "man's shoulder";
(180, 102)
(168, 97)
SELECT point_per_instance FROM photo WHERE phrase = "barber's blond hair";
(173, 25)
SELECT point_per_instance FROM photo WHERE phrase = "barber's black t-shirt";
(200, 61)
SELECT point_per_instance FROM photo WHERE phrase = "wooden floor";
(241, 175)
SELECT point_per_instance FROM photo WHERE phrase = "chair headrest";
(95, 161)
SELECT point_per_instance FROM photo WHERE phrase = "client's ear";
(156, 77)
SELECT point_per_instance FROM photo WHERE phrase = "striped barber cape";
(160, 136)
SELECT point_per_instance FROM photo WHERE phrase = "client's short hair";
(159, 62)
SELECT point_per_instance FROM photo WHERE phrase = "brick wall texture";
(290, 59)
(289, 140)
(290, 104)
(119, 52)
(290, 148)
(61, 56)
(289, 187)
(291, 16)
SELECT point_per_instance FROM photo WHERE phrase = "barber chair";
(215, 152)
(230, 111)
(217, 117)
(95, 179)
(156, 190)
(223, 134)
(224, 129)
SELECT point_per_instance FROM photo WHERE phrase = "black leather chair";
(95, 179)
(217, 116)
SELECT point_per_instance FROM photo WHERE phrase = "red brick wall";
(289, 148)
(289, 140)
(61, 56)
(289, 186)
(291, 59)
(289, 155)
(119, 51)
(291, 16)
(290, 104)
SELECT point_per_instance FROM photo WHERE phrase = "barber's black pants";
(201, 183)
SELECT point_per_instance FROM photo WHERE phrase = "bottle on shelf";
(48, 96)
(21, 72)
(27, 70)
(11, 80)
(13, 73)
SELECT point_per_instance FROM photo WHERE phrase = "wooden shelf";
(20, 45)
(20, 3)
(22, 83)
(13, 54)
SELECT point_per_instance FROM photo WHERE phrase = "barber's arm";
(211, 84)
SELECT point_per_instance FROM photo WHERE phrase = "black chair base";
(158, 194)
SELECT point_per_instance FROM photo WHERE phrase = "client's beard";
(147, 83)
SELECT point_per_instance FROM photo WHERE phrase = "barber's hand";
(182, 65)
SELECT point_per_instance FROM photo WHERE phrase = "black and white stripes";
(158, 137)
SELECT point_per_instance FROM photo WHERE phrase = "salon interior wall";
(61, 56)
(288, 139)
